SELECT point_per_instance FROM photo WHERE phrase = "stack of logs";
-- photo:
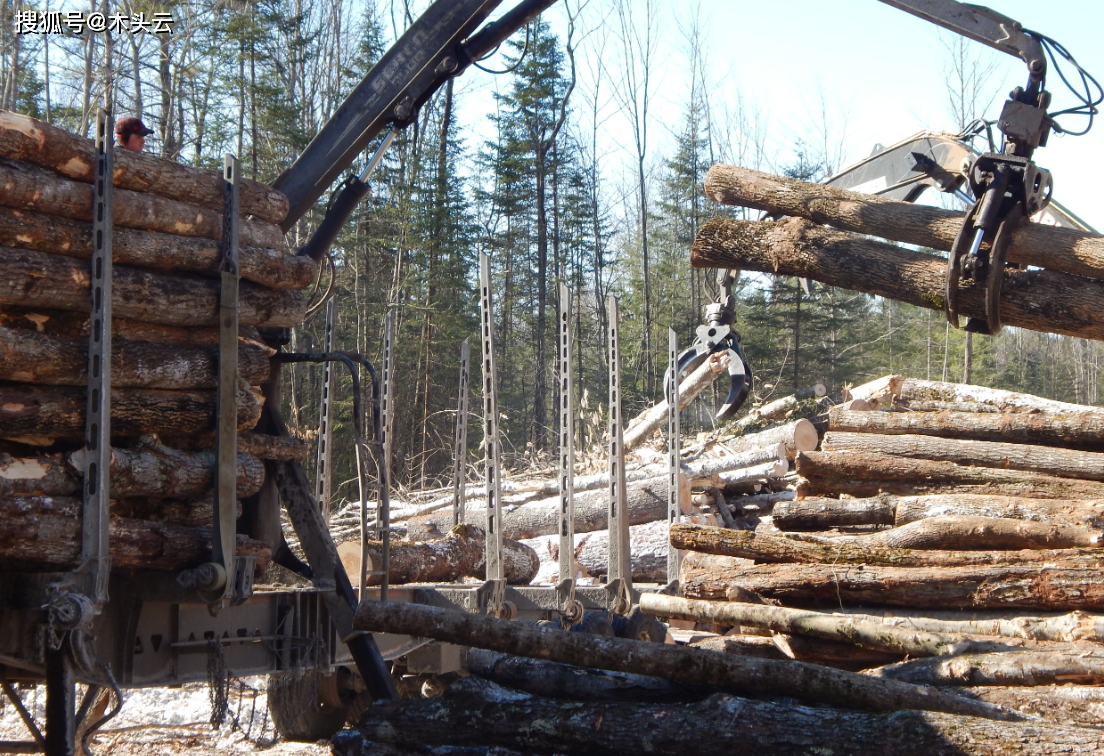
(168, 226)
(945, 535)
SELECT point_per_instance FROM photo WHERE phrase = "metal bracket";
(460, 439)
(566, 586)
(619, 579)
(674, 457)
(95, 547)
(490, 597)
(492, 457)
(323, 471)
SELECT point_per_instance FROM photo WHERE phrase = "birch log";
(642, 426)
(31, 280)
(25, 229)
(1070, 627)
(1027, 667)
(1063, 249)
(800, 435)
(918, 389)
(983, 587)
(1039, 300)
(42, 144)
(778, 408)
(43, 192)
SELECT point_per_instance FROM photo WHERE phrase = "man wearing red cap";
(131, 133)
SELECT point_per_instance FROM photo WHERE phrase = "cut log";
(800, 435)
(1065, 628)
(959, 532)
(1067, 704)
(443, 560)
(853, 630)
(823, 514)
(193, 513)
(994, 587)
(1042, 459)
(264, 446)
(68, 325)
(647, 502)
(1003, 668)
(772, 411)
(29, 357)
(917, 389)
(43, 192)
(53, 541)
(647, 546)
(1084, 430)
(878, 393)
(544, 678)
(24, 229)
(42, 144)
(904, 405)
(867, 549)
(50, 412)
(642, 426)
(1040, 300)
(32, 280)
(868, 474)
(679, 664)
(149, 469)
(798, 648)
(1065, 249)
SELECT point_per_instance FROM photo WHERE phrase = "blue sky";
(877, 72)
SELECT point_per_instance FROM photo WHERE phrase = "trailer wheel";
(298, 714)
(594, 623)
(640, 626)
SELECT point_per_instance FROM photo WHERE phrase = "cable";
(512, 68)
(1088, 100)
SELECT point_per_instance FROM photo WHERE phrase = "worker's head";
(131, 133)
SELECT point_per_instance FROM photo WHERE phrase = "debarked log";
(30, 279)
(54, 541)
(762, 547)
(40, 191)
(853, 630)
(1048, 460)
(1025, 667)
(30, 357)
(148, 469)
(1064, 249)
(42, 144)
(476, 712)
(1039, 300)
(34, 413)
(25, 229)
(460, 553)
(676, 663)
(984, 587)
(1083, 430)
(869, 473)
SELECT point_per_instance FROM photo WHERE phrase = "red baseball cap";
(131, 125)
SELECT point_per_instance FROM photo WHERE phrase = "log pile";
(168, 228)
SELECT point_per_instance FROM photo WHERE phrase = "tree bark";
(460, 553)
(868, 474)
(918, 389)
(64, 324)
(647, 501)
(167, 252)
(545, 678)
(1040, 300)
(193, 513)
(798, 648)
(648, 548)
(36, 142)
(960, 532)
(1062, 249)
(678, 664)
(46, 539)
(40, 414)
(871, 549)
(778, 408)
(30, 357)
(852, 630)
(800, 435)
(43, 192)
(1065, 628)
(477, 713)
(982, 587)
(1084, 430)
(149, 469)
(642, 426)
(32, 280)
(1027, 667)
(1065, 704)
(824, 514)
(1049, 460)
(264, 446)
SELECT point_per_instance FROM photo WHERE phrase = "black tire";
(594, 623)
(295, 712)
(637, 625)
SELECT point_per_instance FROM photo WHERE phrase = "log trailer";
(112, 628)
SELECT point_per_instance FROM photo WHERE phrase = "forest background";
(581, 162)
